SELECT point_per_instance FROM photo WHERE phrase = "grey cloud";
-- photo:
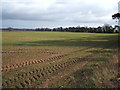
(61, 11)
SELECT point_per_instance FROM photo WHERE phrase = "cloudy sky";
(56, 13)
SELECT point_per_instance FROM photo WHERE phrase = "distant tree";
(116, 29)
(99, 30)
(107, 28)
(60, 29)
(37, 29)
(66, 30)
(54, 29)
(10, 29)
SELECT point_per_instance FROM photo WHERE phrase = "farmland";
(56, 59)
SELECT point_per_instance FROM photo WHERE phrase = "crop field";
(55, 59)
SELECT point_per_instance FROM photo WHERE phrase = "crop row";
(25, 63)
(11, 52)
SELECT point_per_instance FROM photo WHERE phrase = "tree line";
(104, 29)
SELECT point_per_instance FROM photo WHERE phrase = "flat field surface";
(54, 59)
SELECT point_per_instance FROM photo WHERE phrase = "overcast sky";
(56, 13)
